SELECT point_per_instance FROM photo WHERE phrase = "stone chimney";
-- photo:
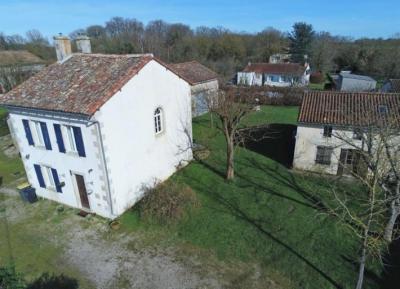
(83, 44)
(63, 47)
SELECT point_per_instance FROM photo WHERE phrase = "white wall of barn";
(307, 140)
(136, 156)
(91, 166)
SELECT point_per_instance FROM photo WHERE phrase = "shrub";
(9, 279)
(167, 203)
(317, 77)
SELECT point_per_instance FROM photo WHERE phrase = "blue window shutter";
(56, 180)
(79, 141)
(45, 134)
(60, 141)
(28, 132)
(39, 176)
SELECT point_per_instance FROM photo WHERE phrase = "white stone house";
(330, 128)
(203, 84)
(93, 130)
(274, 74)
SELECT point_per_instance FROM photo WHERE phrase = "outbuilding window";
(158, 120)
(323, 155)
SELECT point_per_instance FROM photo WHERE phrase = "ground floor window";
(324, 154)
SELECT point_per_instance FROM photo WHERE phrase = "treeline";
(226, 51)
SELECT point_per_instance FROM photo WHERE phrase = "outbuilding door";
(81, 187)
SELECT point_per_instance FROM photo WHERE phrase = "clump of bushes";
(317, 77)
(167, 203)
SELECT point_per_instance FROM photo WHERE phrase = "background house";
(346, 81)
(203, 83)
(274, 74)
(328, 119)
(280, 58)
(392, 85)
(16, 66)
(94, 130)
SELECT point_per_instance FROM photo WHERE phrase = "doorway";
(81, 187)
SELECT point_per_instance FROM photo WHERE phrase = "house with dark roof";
(95, 130)
(274, 74)
(392, 85)
(203, 84)
(346, 81)
(332, 124)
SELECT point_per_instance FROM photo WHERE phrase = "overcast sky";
(355, 18)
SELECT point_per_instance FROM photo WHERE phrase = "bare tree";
(231, 105)
(370, 153)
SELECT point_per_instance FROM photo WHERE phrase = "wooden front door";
(80, 184)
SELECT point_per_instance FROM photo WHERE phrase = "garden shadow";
(47, 281)
(275, 141)
(391, 272)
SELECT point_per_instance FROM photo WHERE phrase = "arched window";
(158, 120)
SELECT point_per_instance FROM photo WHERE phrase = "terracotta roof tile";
(81, 84)
(276, 68)
(349, 108)
(193, 72)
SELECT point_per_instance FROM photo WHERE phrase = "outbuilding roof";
(81, 84)
(356, 77)
(19, 57)
(193, 72)
(349, 108)
(276, 68)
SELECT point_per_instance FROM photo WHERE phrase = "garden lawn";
(268, 215)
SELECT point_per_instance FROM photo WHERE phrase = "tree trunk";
(230, 149)
(363, 260)
(394, 214)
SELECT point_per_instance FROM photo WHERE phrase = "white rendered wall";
(91, 166)
(307, 140)
(136, 156)
(249, 78)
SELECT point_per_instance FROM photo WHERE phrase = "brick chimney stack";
(63, 47)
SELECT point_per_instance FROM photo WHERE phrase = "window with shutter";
(59, 138)
(28, 132)
(79, 141)
(39, 176)
(45, 135)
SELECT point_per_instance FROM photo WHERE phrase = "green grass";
(11, 168)
(268, 214)
(317, 86)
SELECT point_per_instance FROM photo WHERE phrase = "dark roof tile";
(349, 108)
(193, 72)
(81, 84)
(276, 68)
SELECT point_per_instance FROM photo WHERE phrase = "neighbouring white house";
(203, 84)
(331, 126)
(94, 130)
(275, 74)
(280, 58)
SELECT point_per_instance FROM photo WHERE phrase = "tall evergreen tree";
(301, 39)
